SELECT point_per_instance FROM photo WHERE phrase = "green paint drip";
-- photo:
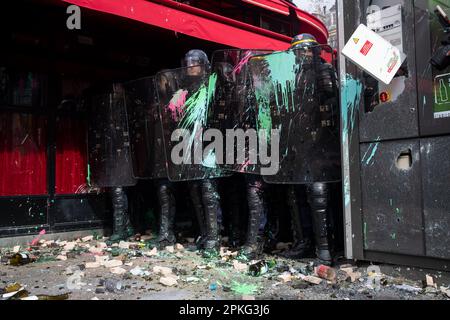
(351, 91)
(283, 68)
(88, 178)
(350, 99)
(398, 213)
(198, 104)
(196, 109)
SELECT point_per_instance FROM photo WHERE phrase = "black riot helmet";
(195, 57)
(304, 41)
(196, 61)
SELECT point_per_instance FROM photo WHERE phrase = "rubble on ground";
(89, 268)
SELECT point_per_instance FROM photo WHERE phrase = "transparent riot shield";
(234, 107)
(109, 151)
(185, 96)
(296, 94)
(147, 148)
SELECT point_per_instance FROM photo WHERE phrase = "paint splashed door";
(185, 96)
(147, 148)
(234, 104)
(296, 93)
(109, 149)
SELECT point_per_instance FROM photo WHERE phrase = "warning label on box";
(366, 48)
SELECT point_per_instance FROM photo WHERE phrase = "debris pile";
(91, 266)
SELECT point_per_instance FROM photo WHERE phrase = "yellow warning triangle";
(356, 40)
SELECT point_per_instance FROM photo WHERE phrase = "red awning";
(272, 5)
(311, 24)
(191, 21)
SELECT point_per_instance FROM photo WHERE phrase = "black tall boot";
(235, 217)
(302, 246)
(211, 204)
(196, 197)
(254, 244)
(121, 221)
(167, 215)
(318, 200)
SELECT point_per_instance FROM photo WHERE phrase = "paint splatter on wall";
(351, 92)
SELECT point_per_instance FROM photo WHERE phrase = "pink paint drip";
(177, 103)
(244, 60)
(244, 166)
(36, 240)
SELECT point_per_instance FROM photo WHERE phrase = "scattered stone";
(240, 267)
(152, 253)
(164, 271)
(179, 247)
(61, 258)
(95, 298)
(70, 246)
(168, 281)
(192, 279)
(87, 239)
(285, 277)
(113, 263)
(102, 245)
(118, 270)
(429, 282)
(352, 276)
(170, 249)
(124, 245)
(313, 280)
(92, 265)
(96, 251)
(101, 259)
(247, 297)
(16, 249)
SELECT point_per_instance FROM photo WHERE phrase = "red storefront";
(44, 68)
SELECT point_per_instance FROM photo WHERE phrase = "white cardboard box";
(375, 55)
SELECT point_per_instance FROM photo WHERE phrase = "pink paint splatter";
(245, 166)
(240, 64)
(177, 103)
(36, 240)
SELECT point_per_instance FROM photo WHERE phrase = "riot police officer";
(233, 109)
(317, 193)
(196, 63)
